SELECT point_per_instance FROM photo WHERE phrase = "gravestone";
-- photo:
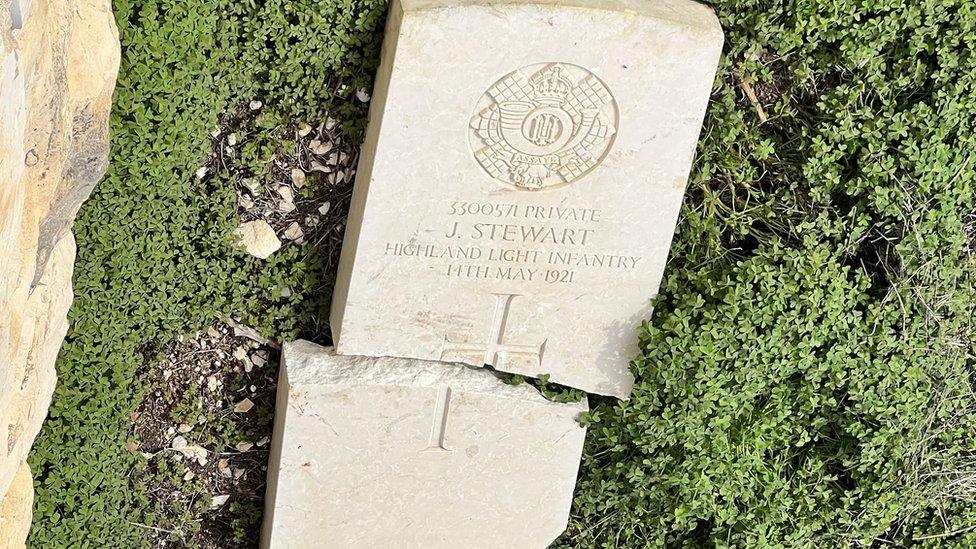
(520, 182)
(390, 452)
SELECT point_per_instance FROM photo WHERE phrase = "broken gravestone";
(520, 182)
(384, 452)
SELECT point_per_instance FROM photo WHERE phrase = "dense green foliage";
(806, 377)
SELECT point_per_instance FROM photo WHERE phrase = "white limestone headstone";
(520, 182)
(389, 452)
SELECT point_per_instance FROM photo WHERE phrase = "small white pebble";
(294, 231)
(243, 406)
(286, 193)
(322, 148)
(298, 177)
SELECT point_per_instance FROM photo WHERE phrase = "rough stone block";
(388, 452)
(15, 509)
(520, 182)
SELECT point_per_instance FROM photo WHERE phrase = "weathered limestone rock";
(257, 238)
(520, 181)
(388, 452)
(58, 65)
(15, 509)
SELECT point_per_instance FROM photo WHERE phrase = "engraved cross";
(495, 350)
(438, 430)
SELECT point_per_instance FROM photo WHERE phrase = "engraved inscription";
(503, 241)
(495, 351)
(543, 125)
(438, 429)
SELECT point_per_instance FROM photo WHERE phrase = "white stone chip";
(258, 238)
(322, 148)
(524, 184)
(294, 231)
(286, 193)
(191, 451)
(386, 452)
(243, 406)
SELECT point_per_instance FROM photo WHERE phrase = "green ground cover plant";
(806, 379)
(154, 251)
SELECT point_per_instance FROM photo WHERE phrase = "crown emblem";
(551, 86)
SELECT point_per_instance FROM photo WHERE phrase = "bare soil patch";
(204, 428)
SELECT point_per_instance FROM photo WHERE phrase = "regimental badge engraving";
(543, 126)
